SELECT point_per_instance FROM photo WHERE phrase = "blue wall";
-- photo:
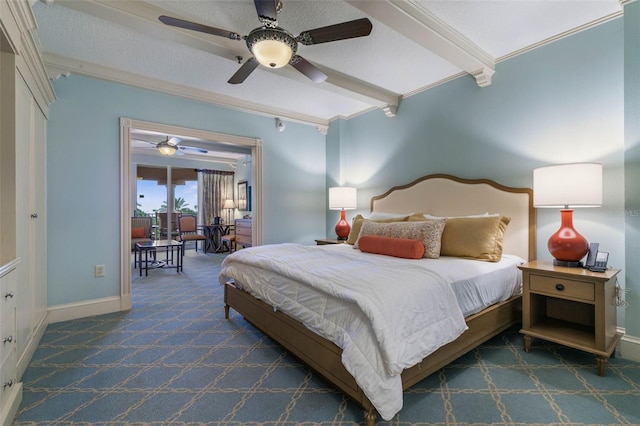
(83, 172)
(560, 103)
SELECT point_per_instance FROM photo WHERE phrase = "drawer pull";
(559, 287)
(8, 295)
(8, 384)
(8, 339)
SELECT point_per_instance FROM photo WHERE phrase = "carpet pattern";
(174, 360)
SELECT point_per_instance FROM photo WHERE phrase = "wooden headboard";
(445, 195)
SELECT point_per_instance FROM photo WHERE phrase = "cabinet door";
(30, 218)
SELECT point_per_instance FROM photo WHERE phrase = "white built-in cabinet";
(31, 306)
(25, 95)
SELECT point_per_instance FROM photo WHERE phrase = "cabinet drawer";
(563, 288)
(7, 334)
(8, 285)
(7, 378)
(243, 231)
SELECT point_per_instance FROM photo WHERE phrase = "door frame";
(126, 186)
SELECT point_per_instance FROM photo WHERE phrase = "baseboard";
(630, 348)
(11, 404)
(83, 309)
(36, 336)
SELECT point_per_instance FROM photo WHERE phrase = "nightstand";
(326, 241)
(570, 306)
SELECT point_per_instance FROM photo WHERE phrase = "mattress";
(352, 299)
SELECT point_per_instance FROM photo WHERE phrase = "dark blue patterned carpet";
(174, 360)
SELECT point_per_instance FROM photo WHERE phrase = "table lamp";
(228, 206)
(567, 186)
(342, 198)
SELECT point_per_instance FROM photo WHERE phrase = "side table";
(570, 306)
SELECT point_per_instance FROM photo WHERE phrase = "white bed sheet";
(375, 351)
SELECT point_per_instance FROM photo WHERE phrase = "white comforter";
(393, 312)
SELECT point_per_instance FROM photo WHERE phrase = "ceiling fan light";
(272, 47)
(272, 53)
(166, 148)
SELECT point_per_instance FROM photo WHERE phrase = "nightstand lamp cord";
(620, 301)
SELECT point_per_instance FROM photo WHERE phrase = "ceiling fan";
(275, 47)
(170, 146)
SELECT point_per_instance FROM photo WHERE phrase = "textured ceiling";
(414, 45)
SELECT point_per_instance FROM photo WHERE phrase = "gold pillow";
(357, 221)
(477, 238)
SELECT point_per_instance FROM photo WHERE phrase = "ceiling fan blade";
(191, 148)
(351, 29)
(308, 69)
(173, 140)
(188, 25)
(267, 11)
(244, 71)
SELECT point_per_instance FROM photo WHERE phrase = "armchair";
(141, 227)
(188, 230)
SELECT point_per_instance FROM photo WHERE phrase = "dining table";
(214, 234)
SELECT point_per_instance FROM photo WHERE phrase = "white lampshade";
(342, 197)
(229, 204)
(568, 185)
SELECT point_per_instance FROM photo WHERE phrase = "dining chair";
(188, 230)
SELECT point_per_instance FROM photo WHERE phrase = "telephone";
(596, 260)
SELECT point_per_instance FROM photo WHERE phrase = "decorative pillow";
(397, 247)
(474, 238)
(357, 221)
(137, 233)
(428, 232)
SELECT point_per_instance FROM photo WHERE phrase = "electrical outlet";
(99, 270)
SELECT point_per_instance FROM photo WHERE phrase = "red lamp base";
(342, 227)
(567, 246)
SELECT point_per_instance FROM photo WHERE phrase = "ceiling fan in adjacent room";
(171, 146)
(275, 47)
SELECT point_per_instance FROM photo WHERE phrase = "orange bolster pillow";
(397, 247)
(137, 233)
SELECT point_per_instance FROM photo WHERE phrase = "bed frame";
(439, 195)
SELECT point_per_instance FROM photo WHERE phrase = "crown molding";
(61, 66)
(565, 34)
(19, 25)
(424, 28)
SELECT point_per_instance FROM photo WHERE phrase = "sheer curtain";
(217, 187)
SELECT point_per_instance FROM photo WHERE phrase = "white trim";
(630, 348)
(59, 65)
(126, 125)
(410, 19)
(86, 308)
(560, 36)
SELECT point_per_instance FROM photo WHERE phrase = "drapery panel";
(217, 187)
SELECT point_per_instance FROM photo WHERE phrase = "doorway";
(127, 184)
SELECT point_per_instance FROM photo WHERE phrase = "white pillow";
(486, 214)
(383, 215)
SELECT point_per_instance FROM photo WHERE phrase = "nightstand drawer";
(563, 288)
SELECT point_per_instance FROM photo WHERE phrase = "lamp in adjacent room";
(342, 198)
(568, 186)
(228, 206)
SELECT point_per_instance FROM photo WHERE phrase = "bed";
(255, 293)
